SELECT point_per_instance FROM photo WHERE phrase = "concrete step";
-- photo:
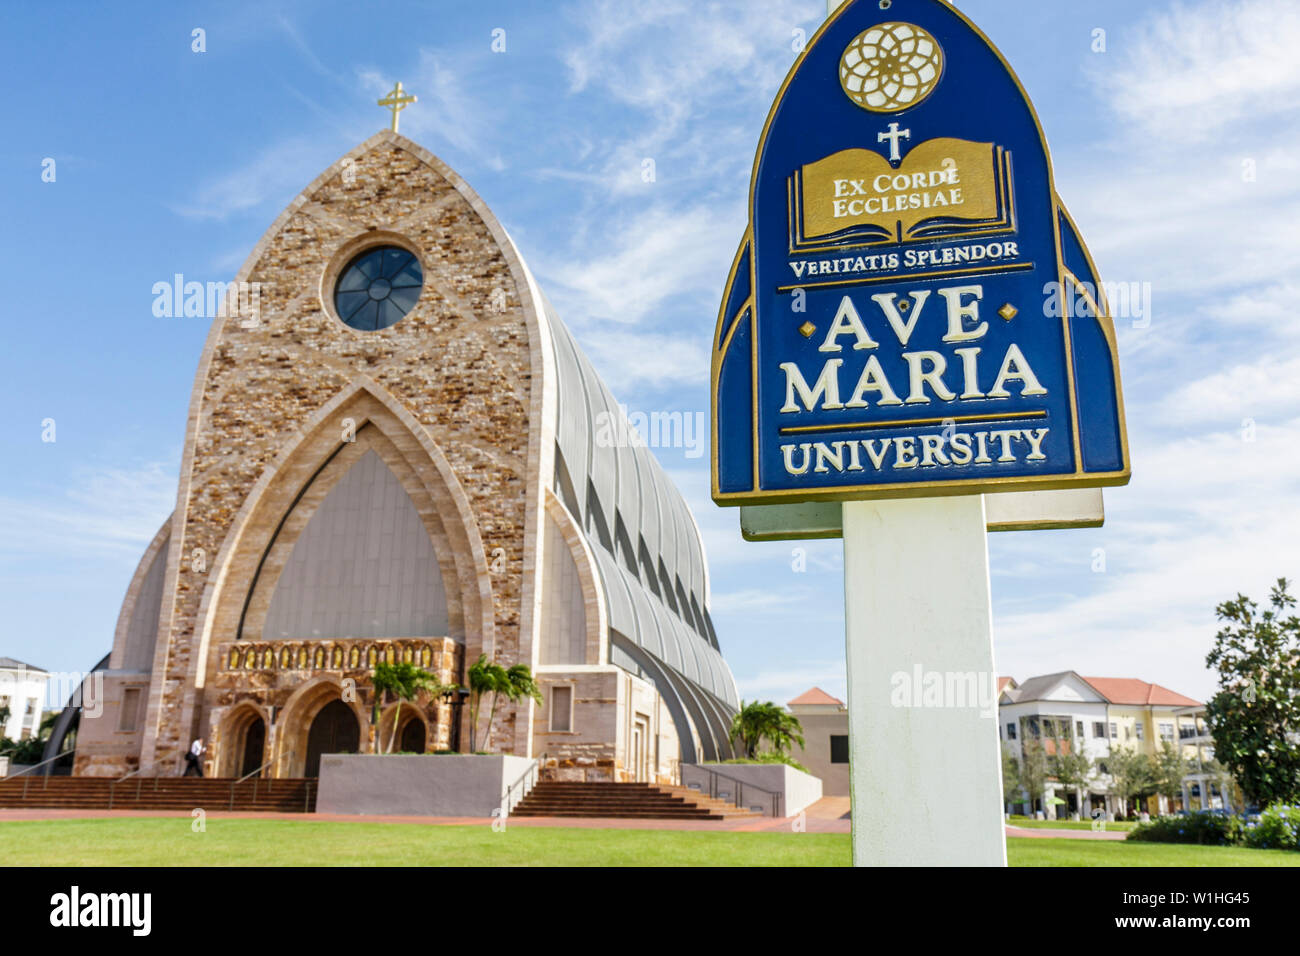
(622, 801)
(162, 793)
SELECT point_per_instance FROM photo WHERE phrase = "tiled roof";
(816, 696)
(1036, 687)
(1134, 692)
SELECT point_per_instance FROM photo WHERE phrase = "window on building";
(31, 707)
(1011, 731)
(1078, 726)
(1099, 729)
(1031, 726)
(839, 748)
(127, 720)
(1102, 768)
(562, 708)
(1141, 729)
(1114, 731)
(378, 288)
(1166, 731)
(1049, 727)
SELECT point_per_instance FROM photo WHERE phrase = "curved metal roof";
(618, 479)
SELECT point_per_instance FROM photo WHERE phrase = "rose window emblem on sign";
(890, 67)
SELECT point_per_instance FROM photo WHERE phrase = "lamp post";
(455, 696)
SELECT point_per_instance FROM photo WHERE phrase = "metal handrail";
(112, 787)
(27, 770)
(739, 801)
(256, 774)
(45, 776)
(507, 798)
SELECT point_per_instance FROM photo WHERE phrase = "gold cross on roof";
(396, 101)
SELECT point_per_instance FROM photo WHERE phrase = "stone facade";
(459, 365)
(458, 400)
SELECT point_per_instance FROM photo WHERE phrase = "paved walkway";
(828, 815)
(1045, 833)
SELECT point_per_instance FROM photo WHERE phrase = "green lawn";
(1061, 851)
(139, 841)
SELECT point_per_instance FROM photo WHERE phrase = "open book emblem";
(944, 188)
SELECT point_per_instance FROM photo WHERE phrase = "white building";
(1099, 713)
(22, 690)
(1202, 789)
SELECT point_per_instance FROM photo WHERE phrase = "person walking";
(193, 759)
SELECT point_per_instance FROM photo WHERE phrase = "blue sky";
(1175, 149)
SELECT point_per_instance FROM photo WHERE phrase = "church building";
(394, 453)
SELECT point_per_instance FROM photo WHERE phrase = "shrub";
(1204, 827)
(769, 757)
(1278, 828)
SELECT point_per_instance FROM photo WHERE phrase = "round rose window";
(378, 288)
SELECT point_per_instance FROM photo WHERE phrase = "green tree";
(1072, 766)
(1255, 716)
(488, 677)
(485, 677)
(1033, 768)
(519, 685)
(403, 681)
(1132, 775)
(1170, 767)
(1011, 785)
(758, 721)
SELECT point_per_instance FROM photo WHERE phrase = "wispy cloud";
(652, 257)
(1195, 70)
(277, 173)
(111, 511)
(782, 684)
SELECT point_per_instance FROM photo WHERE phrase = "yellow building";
(1144, 716)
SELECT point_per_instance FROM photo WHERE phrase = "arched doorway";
(334, 730)
(254, 747)
(411, 737)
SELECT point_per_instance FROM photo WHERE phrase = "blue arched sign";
(911, 312)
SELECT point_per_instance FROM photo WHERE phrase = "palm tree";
(522, 684)
(404, 681)
(489, 677)
(485, 677)
(759, 721)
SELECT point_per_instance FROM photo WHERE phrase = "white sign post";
(925, 766)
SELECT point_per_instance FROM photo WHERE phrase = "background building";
(1099, 714)
(825, 752)
(22, 691)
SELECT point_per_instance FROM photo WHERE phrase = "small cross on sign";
(396, 101)
(892, 138)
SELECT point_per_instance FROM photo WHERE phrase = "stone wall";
(458, 366)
